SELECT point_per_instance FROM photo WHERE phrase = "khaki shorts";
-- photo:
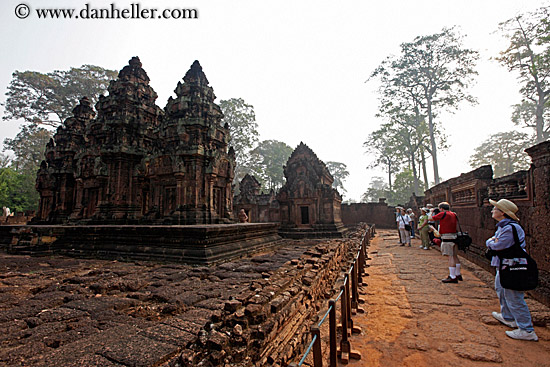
(448, 248)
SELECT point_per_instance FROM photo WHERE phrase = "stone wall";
(469, 194)
(268, 324)
(380, 214)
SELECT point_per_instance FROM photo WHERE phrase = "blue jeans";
(513, 306)
(412, 229)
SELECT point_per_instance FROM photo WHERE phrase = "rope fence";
(349, 305)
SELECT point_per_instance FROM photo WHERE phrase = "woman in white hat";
(513, 309)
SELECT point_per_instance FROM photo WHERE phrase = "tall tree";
(28, 147)
(243, 131)
(49, 98)
(17, 190)
(378, 188)
(383, 146)
(432, 72)
(529, 55)
(504, 151)
(268, 160)
(339, 172)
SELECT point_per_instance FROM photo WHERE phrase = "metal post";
(332, 333)
(317, 354)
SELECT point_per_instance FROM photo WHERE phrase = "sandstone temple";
(137, 163)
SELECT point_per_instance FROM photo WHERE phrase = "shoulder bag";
(407, 226)
(463, 239)
(518, 271)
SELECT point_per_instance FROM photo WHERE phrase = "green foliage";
(504, 151)
(401, 192)
(243, 131)
(431, 74)
(28, 146)
(17, 182)
(339, 172)
(528, 54)
(17, 190)
(267, 162)
(402, 189)
(382, 146)
(49, 99)
(377, 189)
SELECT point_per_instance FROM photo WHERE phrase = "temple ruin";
(309, 205)
(140, 182)
(136, 163)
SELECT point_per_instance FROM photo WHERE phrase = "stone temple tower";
(198, 188)
(135, 163)
(309, 205)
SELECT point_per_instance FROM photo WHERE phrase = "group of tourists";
(405, 224)
(439, 226)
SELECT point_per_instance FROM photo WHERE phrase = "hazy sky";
(301, 64)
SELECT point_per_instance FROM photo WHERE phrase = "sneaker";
(509, 323)
(421, 246)
(521, 334)
(425, 248)
(402, 244)
(449, 280)
(459, 277)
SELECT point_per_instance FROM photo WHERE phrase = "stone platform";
(316, 231)
(193, 244)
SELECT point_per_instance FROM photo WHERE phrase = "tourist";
(243, 218)
(411, 215)
(513, 309)
(397, 215)
(448, 229)
(424, 229)
(403, 223)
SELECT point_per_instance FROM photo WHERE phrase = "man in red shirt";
(448, 229)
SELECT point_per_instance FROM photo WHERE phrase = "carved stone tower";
(135, 163)
(198, 189)
(309, 205)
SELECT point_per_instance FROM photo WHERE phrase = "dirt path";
(413, 319)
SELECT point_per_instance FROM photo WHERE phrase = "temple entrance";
(304, 210)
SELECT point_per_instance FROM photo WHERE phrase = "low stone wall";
(268, 324)
(469, 194)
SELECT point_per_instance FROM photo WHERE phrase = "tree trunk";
(432, 141)
(539, 116)
(389, 175)
(424, 171)
(415, 176)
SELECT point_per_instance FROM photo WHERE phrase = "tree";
(377, 189)
(403, 188)
(383, 146)
(267, 162)
(339, 172)
(49, 99)
(529, 55)
(433, 73)
(28, 146)
(524, 114)
(5, 160)
(243, 131)
(17, 190)
(504, 151)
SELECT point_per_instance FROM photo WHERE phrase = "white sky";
(301, 64)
